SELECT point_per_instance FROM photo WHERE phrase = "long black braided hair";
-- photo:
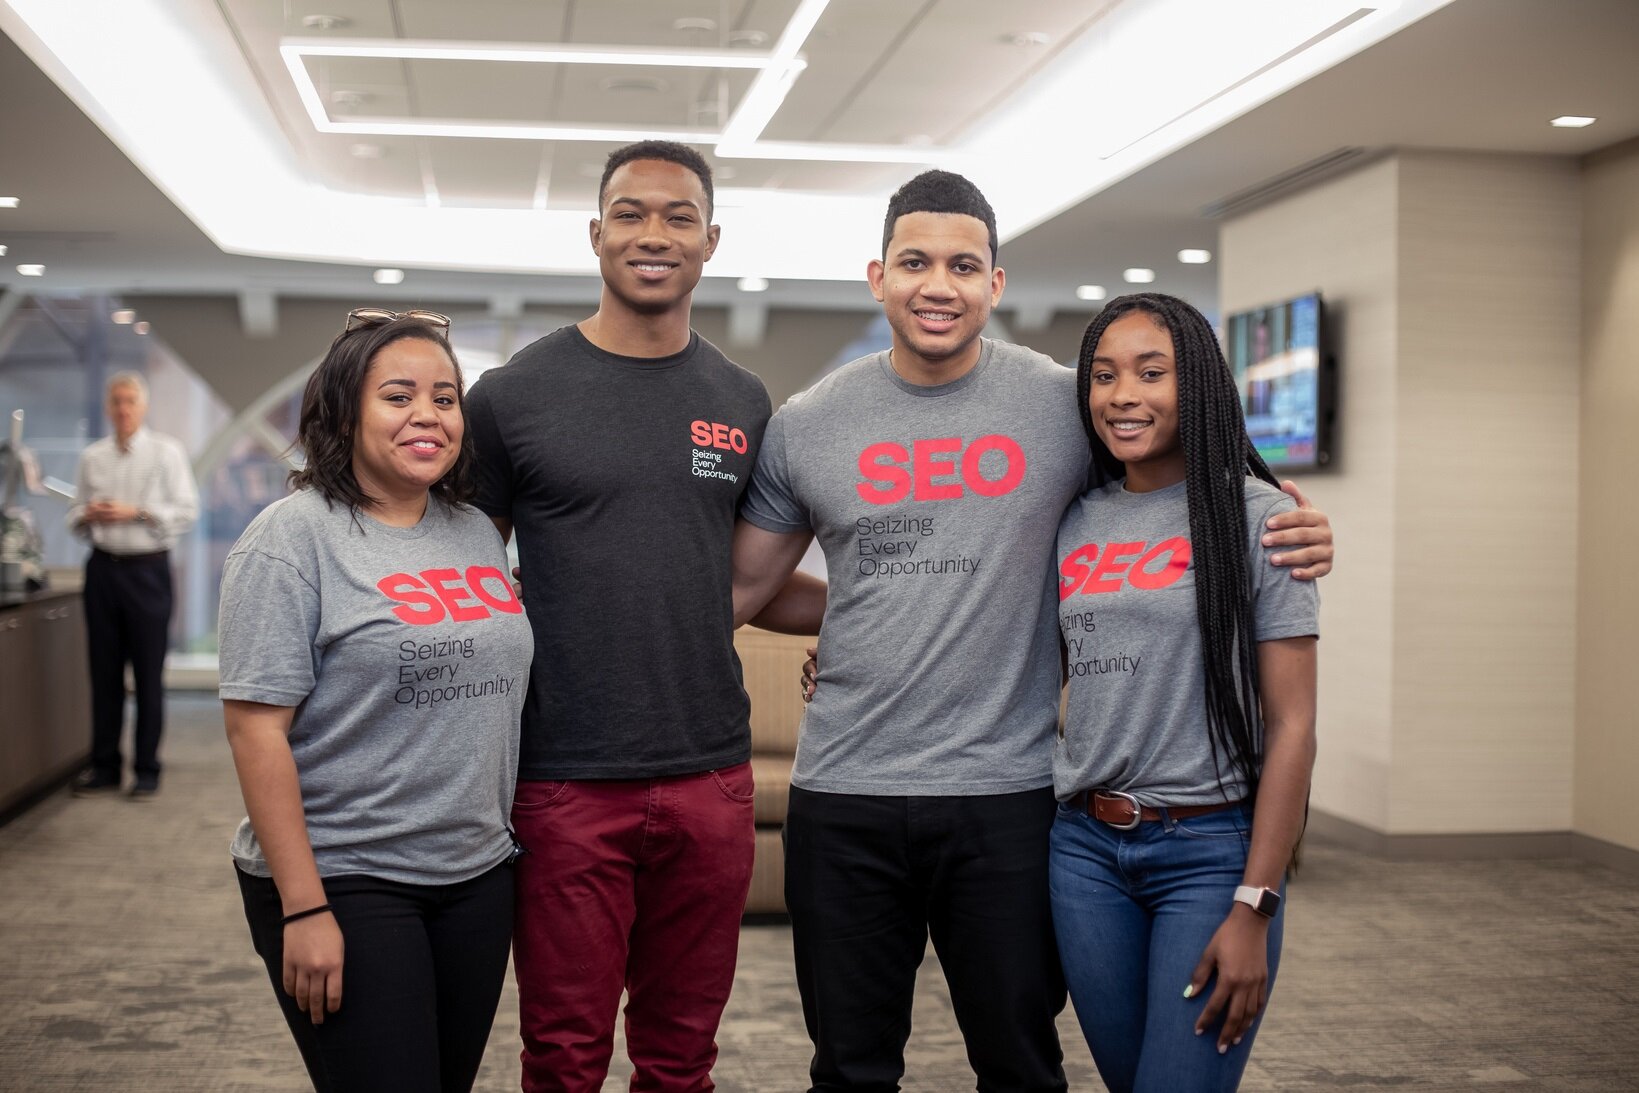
(1218, 456)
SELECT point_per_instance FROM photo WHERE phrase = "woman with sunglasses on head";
(1183, 768)
(374, 661)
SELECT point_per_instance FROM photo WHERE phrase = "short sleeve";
(268, 630)
(771, 502)
(1282, 606)
(494, 471)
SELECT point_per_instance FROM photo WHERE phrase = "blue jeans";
(1133, 911)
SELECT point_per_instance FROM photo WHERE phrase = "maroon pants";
(637, 885)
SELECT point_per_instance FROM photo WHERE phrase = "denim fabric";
(422, 971)
(636, 885)
(1133, 911)
(869, 879)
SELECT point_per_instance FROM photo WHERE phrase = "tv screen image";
(1276, 355)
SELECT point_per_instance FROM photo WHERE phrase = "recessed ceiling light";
(723, 173)
(747, 39)
(1027, 38)
(142, 327)
(1195, 257)
(324, 22)
(31, 270)
(1138, 275)
(124, 316)
(651, 85)
(388, 276)
(1090, 292)
(2, 250)
(690, 23)
(366, 150)
(349, 99)
(753, 284)
(1571, 121)
(8, 202)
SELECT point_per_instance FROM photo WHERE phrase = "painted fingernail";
(1237, 1041)
(1223, 1049)
(1189, 991)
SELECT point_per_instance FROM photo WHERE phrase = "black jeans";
(127, 620)
(868, 879)
(422, 969)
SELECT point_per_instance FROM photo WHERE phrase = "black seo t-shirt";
(622, 477)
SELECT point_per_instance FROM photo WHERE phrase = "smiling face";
(409, 426)
(1134, 400)
(652, 239)
(937, 287)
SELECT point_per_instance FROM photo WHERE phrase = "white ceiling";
(1472, 74)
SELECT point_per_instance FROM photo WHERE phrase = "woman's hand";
(1239, 952)
(312, 966)
(810, 673)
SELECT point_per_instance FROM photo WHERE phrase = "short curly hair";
(940, 192)
(668, 151)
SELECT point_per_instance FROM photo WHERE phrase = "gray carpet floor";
(125, 965)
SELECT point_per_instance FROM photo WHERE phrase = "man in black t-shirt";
(619, 450)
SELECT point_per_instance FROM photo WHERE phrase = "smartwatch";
(1265, 901)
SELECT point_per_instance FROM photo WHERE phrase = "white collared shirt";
(152, 474)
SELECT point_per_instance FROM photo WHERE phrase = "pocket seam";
(723, 788)
(552, 798)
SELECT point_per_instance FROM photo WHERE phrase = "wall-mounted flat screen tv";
(1278, 355)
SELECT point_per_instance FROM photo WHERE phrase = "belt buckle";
(1116, 794)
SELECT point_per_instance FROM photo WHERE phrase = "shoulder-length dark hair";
(1218, 456)
(331, 405)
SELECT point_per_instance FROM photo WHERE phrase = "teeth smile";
(1129, 426)
(936, 316)
(425, 445)
(652, 267)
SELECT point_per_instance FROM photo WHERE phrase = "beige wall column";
(1449, 650)
(1607, 726)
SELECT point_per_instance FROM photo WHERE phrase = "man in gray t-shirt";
(935, 476)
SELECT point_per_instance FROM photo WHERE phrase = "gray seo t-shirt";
(1136, 717)
(936, 508)
(406, 655)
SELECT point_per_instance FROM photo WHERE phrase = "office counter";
(45, 695)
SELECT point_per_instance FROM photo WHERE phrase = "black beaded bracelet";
(311, 911)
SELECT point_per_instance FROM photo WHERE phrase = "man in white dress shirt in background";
(134, 497)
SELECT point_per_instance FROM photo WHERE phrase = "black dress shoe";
(93, 783)
(144, 789)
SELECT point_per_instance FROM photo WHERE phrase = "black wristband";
(311, 911)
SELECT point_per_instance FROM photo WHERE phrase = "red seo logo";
(714, 434)
(439, 593)
(925, 472)
(1139, 565)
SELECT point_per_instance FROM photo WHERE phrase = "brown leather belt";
(1122, 810)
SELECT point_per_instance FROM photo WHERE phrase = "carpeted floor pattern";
(125, 965)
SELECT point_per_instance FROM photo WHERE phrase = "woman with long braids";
(1183, 768)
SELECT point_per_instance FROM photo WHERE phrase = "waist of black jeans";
(126, 559)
